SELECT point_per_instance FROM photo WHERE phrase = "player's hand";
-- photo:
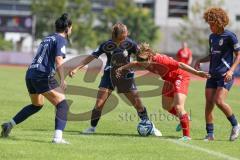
(119, 72)
(204, 74)
(63, 84)
(197, 65)
(228, 75)
(72, 72)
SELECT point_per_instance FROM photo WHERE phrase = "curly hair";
(216, 15)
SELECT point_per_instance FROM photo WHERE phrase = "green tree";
(46, 12)
(5, 45)
(138, 20)
(194, 30)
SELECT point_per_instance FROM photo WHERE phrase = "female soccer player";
(222, 44)
(118, 51)
(40, 80)
(175, 88)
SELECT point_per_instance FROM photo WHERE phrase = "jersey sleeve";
(61, 48)
(234, 42)
(99, 51)
(169, 62)
(135, 49)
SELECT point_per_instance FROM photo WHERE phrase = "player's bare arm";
(189, 69)
(60, 71)
(230, 72)
(84, 62)
(202, 60)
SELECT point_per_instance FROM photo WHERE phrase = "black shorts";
(123, 85)
(219, 82)
(41, 85)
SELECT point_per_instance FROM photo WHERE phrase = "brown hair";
(144, 52)
(118, 29)
(216, 16)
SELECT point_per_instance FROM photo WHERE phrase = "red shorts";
(176, 83)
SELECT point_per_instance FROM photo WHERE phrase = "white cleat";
(235, 133)
(59, 141)
(185, 139)
(156, 132)
(89, 130)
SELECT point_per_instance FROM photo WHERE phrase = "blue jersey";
(44, 62)
(122, 51)
(221, 52)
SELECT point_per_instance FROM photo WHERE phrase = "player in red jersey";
(175, 92)
(184, 54)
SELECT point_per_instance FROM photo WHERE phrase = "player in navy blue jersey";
(118, 51)
(41, 83)
(223, 43)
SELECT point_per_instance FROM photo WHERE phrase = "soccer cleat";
(235, 133)
(185, 138)
(59, 141)
(178, 128)
(209, 138)
(6, 129)
(155, 131)
(89, 130)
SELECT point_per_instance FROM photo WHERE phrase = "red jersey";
(183, 55)
(166, 67)
(176, 80)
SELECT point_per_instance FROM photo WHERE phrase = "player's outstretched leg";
(18, 118)
(102, 96)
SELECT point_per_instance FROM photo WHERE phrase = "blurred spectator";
(184, 54)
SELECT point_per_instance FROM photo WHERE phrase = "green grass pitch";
(116, 136)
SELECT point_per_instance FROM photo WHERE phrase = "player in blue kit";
(223, 43)
(118, 51)
(41, 83)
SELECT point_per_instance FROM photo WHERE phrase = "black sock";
(96, 114)
(143, 115)
(232, 119)
(209, 128)
(61, 115)
(26, 112)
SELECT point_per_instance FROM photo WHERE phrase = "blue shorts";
(42, 85)
(219, 82)
(124, 85)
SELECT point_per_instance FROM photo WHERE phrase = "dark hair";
(62, 23)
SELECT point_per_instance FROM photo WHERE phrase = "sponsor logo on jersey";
(221, 42)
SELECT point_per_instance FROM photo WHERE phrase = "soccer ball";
(145, 128)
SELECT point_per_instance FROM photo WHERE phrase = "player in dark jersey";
(223, 43)
(41, 83)
(118, 51)
(176, 83)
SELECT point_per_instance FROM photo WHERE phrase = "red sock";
(173, 111)
(185, 125)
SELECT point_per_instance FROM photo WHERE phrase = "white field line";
(197, 148)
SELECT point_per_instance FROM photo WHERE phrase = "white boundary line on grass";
(210, 152)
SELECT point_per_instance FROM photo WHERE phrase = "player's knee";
(179, 109)
(219, 102)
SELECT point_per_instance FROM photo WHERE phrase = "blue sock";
(209, 128)
(232, 119)
(61, 115)
(26, 112)
(143, 115)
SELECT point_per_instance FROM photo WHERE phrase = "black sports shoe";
(6, 129)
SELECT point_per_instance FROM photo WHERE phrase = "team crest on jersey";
(125, 53)
(63, 49)
(221, 42)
